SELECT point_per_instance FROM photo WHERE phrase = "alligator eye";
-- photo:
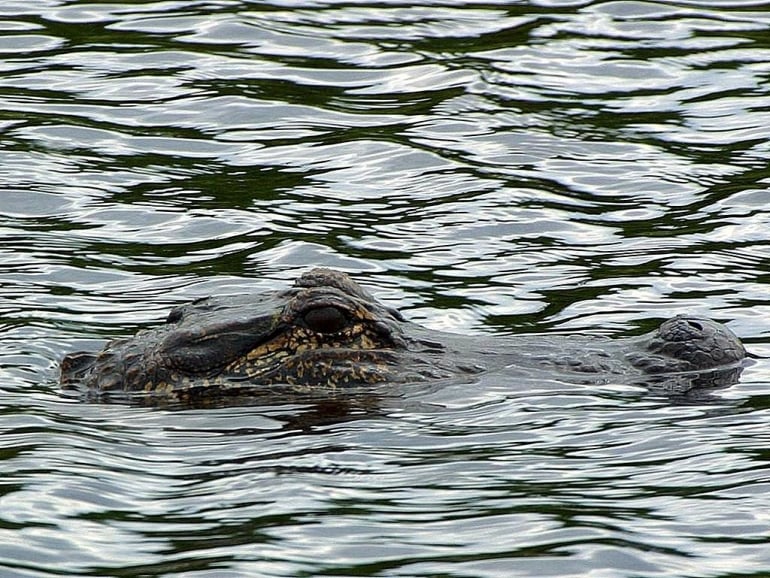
(325, 319)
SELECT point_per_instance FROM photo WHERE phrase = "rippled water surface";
(499, 167)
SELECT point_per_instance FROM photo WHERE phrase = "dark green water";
(487, 168)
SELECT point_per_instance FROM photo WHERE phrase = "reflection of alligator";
(328, 332)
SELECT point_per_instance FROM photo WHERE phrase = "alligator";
(328, 333)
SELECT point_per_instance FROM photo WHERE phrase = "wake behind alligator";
(327, 333)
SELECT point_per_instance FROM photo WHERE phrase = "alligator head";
(325, 330)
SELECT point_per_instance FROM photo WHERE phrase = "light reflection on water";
(587, 166)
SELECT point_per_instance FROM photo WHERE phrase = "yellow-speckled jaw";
(299, 355)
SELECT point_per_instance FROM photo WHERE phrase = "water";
(487, 168)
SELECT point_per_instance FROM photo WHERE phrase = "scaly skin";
(328, 332)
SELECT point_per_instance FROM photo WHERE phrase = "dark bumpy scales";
(328, 332)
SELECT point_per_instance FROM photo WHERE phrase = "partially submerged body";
(328, 332)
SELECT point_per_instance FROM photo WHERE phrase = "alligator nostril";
(696, 324)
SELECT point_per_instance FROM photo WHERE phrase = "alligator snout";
(693, 343)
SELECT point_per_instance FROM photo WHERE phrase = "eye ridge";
(325, 319)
